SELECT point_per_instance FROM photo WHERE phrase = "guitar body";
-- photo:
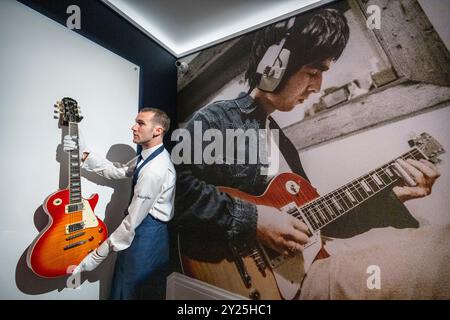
(57, 247)
(282, 277)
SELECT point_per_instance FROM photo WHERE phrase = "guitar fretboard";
(74, 167)
(333, 205)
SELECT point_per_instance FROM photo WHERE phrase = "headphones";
(274, 62)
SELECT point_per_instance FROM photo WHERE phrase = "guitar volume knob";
(254, 294)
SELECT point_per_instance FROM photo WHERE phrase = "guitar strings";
(323, 218)
(320, 214)
(339, 196)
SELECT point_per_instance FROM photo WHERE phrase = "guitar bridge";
(259, 258)
(75, 236)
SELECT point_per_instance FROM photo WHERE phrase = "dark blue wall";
(101, 24)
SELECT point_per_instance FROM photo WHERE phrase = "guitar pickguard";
(290, 271)
(89, 218)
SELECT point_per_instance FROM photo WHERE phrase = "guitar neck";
(74, 167)
(335, 204)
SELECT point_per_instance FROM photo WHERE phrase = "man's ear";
(157, 132)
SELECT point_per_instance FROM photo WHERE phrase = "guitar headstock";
(428, 145)
(67, 111)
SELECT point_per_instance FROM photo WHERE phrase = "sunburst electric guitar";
(73, 230)
(258, 272)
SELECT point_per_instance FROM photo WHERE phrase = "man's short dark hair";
(314, 37)
(160, 117)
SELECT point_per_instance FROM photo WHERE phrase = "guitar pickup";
(290, 208)
(70, 228)
(75, 207)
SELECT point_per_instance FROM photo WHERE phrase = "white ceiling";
(185, 26)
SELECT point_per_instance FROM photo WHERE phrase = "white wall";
(331, 165)
(41, 62)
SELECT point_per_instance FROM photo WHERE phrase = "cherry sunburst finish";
(73, 230)
(258, 272)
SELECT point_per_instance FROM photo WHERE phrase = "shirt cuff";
(104, 249)
(244, 218)
(89, 162)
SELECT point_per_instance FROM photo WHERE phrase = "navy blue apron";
(141, 269)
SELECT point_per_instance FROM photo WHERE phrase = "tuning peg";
(55, 117)
(413, 136)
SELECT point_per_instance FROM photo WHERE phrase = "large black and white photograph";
(353, 189)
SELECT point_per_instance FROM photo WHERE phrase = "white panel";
(41, 62)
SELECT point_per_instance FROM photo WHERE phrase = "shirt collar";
(247, 105)
(147, 152)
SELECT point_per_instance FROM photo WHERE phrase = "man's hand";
(280, 231)
(423, 174)
(69, 144)
(93, 259)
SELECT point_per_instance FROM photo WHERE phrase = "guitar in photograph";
(73, 230)
(258, 272)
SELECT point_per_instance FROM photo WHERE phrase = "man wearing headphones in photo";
(286, 65)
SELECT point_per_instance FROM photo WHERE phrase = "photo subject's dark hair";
(314, 37)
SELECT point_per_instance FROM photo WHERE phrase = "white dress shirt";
(154, 192)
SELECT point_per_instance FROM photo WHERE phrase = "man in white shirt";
(142, 238)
